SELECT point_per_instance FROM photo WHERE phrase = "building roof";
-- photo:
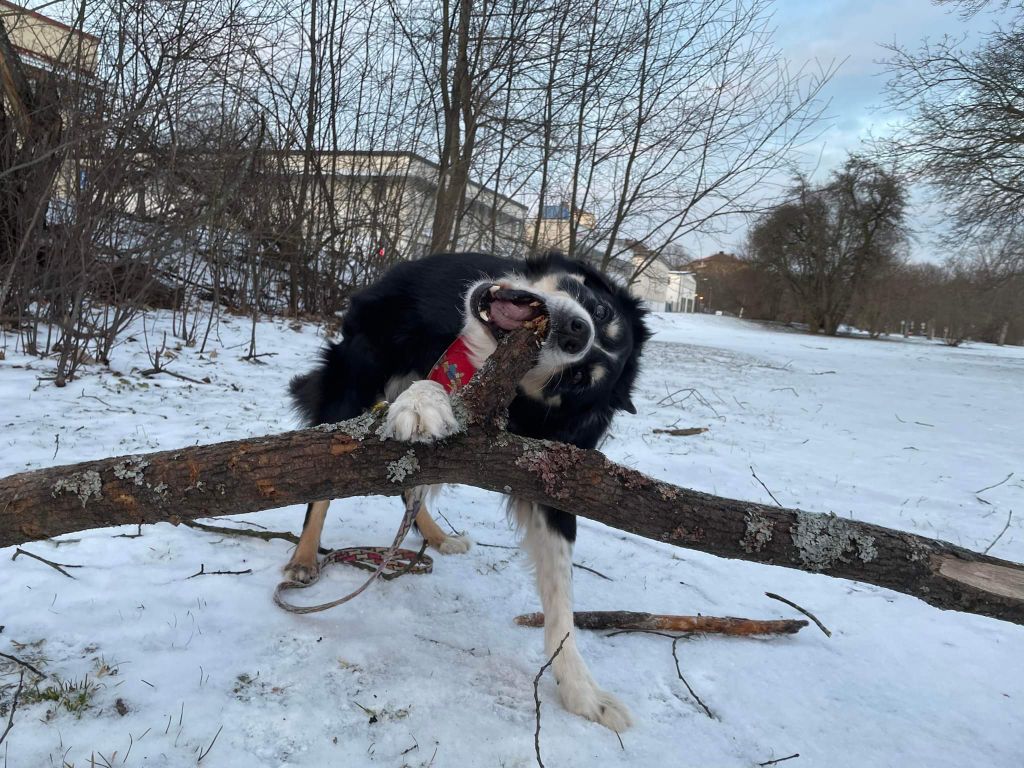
(718, 262)
(48, 41)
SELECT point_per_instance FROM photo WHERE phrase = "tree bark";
(349, 459)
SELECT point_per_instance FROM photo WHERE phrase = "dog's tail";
(343, 386)
(307, 395)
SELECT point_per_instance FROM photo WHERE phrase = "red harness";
(454, 369)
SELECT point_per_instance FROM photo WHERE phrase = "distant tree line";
(835, 253)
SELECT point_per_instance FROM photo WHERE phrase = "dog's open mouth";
(506, 309)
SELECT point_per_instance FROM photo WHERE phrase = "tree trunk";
(348, 459)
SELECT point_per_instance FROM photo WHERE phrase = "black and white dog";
(393, 334)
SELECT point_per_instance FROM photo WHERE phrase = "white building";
(682, 291)
(652, 284)
(390, 197)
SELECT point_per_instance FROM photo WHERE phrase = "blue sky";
(838, 30)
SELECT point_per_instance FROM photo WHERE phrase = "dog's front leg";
(548, 539)
(421, 414)
(304, 566)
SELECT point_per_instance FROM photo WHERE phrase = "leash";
(452, 371)
(381, 560)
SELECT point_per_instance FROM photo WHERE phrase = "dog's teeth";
(534, 303)
(495, 288)
(484, 316)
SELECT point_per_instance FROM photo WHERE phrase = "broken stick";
(722, 625)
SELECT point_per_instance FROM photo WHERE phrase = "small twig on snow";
(206, 751)
(21, 682)
(131, 743)
(804, 611)
(990, 487)
(763, 485)
(153, 371)
(780, 760)
(681, 432)
(670, 399)
(56, 566)
(93, 397)
(25, 664)
(136, 535)
(203, 572)
(449, 522)
(244, 522)
(693, 693)
(536, 697)
(593, 571)
(997, 538)
(265, 535)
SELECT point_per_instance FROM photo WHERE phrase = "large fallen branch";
(349, 459)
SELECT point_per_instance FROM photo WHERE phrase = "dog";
(396, 330)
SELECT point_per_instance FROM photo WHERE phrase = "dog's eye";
(601, 312)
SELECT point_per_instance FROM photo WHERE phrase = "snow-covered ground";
(431, 671)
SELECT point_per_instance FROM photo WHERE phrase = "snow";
(900, 432)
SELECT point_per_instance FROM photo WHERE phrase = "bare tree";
(966, 121)
(827, 241)
(696, 113)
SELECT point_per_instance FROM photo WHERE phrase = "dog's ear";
(621, 402)
(622, 394)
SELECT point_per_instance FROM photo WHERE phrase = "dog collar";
(454, 369)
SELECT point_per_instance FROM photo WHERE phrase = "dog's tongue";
(508, 315)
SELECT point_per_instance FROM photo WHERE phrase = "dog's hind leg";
(304, 566)
(548, 537)
(446, 544)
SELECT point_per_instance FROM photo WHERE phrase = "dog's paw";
(455, 545)
(303, 573)
(421, 414)
(594, 704)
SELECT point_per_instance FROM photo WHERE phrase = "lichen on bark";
(401, 468)
(358, 428)
(823, 540)
(84, 485)
(758, 531)
(133, 469)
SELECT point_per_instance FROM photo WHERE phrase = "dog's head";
(592, 350)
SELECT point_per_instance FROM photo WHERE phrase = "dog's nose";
(574, 336)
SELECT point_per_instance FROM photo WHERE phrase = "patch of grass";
(247, 687)
(74, 696)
